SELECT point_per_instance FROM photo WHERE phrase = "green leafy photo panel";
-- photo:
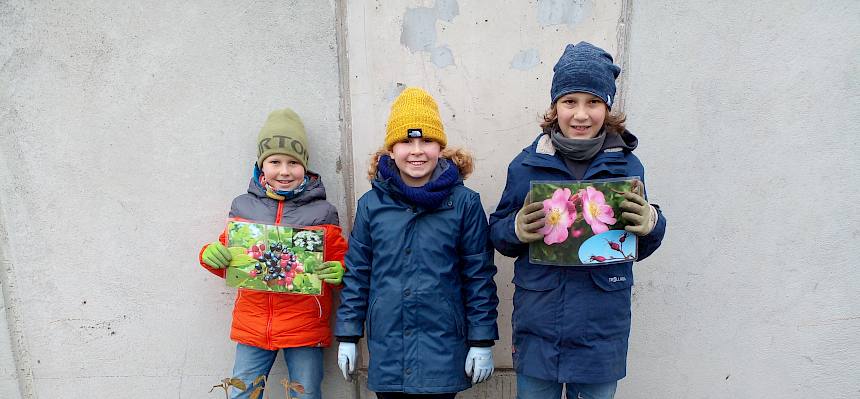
(274, 258)
(583, 222)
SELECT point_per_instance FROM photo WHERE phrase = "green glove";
(640, 216)
(331, 272)
(530, 219)
(216, 256)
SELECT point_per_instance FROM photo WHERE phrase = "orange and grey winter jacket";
(270, 320)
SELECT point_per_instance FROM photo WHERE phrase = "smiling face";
(580, 115)
(283, 172)
(416, 158)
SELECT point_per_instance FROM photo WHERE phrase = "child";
(283, 191)
(420, 266)
(571, 324)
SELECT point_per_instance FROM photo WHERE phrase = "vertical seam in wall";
(623, 38)
(14, 322)
(346, 156)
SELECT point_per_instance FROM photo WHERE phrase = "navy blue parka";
(570, 323)
(422, 282)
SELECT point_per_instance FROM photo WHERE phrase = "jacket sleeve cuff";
(654, 217)
(650, 242)
(484, 343)
(346, 328)
(483, 333)
(352, 339)
(509, 244)
(217, 272)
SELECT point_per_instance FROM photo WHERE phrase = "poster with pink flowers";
(583, 222)
(274, 258)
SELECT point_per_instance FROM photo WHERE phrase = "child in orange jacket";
(283, 191)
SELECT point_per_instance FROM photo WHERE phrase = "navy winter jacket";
(422, 282)
(570, 323)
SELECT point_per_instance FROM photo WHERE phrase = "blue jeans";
(305, 366)
(533, 388)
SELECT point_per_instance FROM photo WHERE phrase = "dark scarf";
(577, 149)
(429, 196)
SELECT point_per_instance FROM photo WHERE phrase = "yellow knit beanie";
(414, 114)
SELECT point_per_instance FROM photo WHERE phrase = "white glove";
(346, 359)
(482, 361)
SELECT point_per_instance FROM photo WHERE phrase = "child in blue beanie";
(571, 323)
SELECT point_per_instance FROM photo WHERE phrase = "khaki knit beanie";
(414, 114)
(283, 133)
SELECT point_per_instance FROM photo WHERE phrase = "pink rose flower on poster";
(595, 211)
(560, 214)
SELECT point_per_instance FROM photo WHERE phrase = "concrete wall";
(126, 130)
(748, 118)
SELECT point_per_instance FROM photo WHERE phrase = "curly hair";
(463, 159)
(614, 122)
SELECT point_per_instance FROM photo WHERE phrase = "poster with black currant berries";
(583, 225)
(274, 258)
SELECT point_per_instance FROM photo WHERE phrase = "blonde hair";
(614, 122)
(460, 157)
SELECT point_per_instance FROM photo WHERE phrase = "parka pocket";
(536, 298)
(536, 277)
(458, 318)
(438, 315)
(369, 321)
(537, 310)
(613, 278)
(609, 302)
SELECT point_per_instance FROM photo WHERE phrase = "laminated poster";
(274, 258)
(583, 222)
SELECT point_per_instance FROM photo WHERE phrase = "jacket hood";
(625, 140)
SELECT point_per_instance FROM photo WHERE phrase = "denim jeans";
(305, 366)
(401, 395)
(533, 388)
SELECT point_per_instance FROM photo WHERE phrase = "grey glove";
(530, 219)
(640, 216)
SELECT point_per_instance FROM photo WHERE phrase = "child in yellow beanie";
(419, 265)
(283, 191)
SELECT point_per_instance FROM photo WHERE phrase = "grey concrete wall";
(125, 131)
(8, 373)
(747, 116)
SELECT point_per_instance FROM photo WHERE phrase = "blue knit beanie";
(585, 68)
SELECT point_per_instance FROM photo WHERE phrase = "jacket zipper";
(280, 209)
(269, 323)
(271, 305)
(319, 306)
